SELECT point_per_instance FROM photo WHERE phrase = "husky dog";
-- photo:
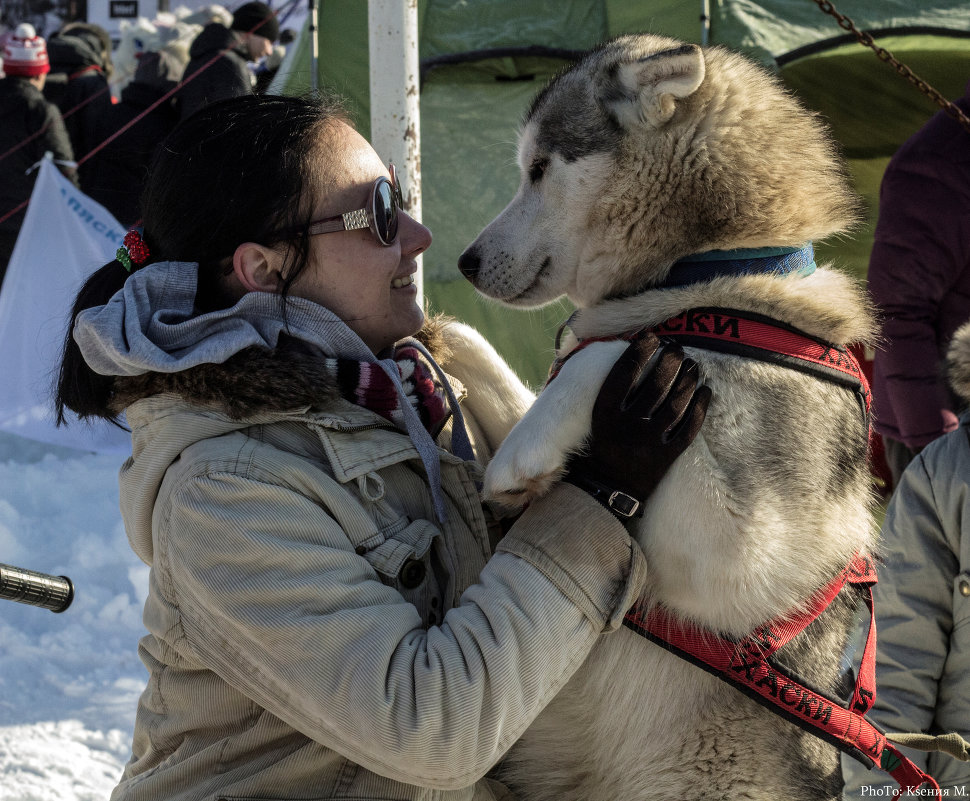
(645, 153)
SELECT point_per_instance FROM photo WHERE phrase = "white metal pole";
(314, 45)
(394, 96)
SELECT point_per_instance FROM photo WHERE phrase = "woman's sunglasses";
(380, 215)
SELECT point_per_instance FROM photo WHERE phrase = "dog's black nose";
(469, 264)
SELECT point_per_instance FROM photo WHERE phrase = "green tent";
(483, 60)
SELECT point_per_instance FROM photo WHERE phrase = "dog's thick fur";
(647, 151)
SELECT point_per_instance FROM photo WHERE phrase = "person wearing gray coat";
(333, 613)
(922, 602)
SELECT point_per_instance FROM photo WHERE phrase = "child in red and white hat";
(25, 53)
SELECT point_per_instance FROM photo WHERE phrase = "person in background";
(119, 169)
(101, 42)
(332, 611)
(922, 602)
(919, 278)
(80, 57)
(220, 57)
(267, 68)
(31, 126)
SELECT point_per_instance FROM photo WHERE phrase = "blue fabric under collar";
(755, 261)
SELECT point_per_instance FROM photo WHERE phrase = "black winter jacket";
(119, 170)
(78, 85)
(227, 76)
(24, 112)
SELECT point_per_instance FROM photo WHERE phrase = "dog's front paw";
(523, 469)
(533, 456)
(515, 494)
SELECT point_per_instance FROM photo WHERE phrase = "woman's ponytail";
(79, 388)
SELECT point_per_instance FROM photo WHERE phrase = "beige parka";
(313, 631)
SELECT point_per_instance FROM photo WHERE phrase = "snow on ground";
(69, 682)
(60, 760)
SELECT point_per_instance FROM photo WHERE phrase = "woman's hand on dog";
(648, 411)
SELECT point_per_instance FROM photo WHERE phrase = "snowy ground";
(69, 682)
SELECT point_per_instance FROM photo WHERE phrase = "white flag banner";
(65, 237)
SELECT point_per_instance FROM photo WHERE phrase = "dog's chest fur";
(657, 728)
(766, 505)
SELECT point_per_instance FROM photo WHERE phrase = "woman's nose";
(415, 238)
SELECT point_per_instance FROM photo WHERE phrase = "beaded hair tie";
(133, 252)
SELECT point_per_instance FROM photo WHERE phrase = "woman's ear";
(257, 267)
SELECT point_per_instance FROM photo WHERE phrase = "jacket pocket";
(403, 542)
(403, 558)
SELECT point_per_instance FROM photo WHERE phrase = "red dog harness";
(759, 337)
(753, 336)
(749, 664)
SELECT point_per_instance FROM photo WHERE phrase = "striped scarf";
(366, 384)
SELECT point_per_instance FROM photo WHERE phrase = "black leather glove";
(648, 411)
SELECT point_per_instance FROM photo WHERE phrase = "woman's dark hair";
(240, 170)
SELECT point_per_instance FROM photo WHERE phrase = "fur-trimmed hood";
(253, 381)
(259, 380)
(958, 362)
(255, 356)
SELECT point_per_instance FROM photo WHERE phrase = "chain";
(884, 55)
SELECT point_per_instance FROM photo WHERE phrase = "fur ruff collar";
(258, 380)
(958, 362)
(826, 304)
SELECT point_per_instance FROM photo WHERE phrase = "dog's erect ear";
(650, 87)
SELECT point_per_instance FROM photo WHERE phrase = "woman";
(326, 616)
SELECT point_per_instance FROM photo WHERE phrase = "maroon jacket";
(919, 277)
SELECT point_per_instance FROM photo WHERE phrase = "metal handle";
(36, 589)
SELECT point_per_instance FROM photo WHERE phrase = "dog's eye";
(538, 169)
